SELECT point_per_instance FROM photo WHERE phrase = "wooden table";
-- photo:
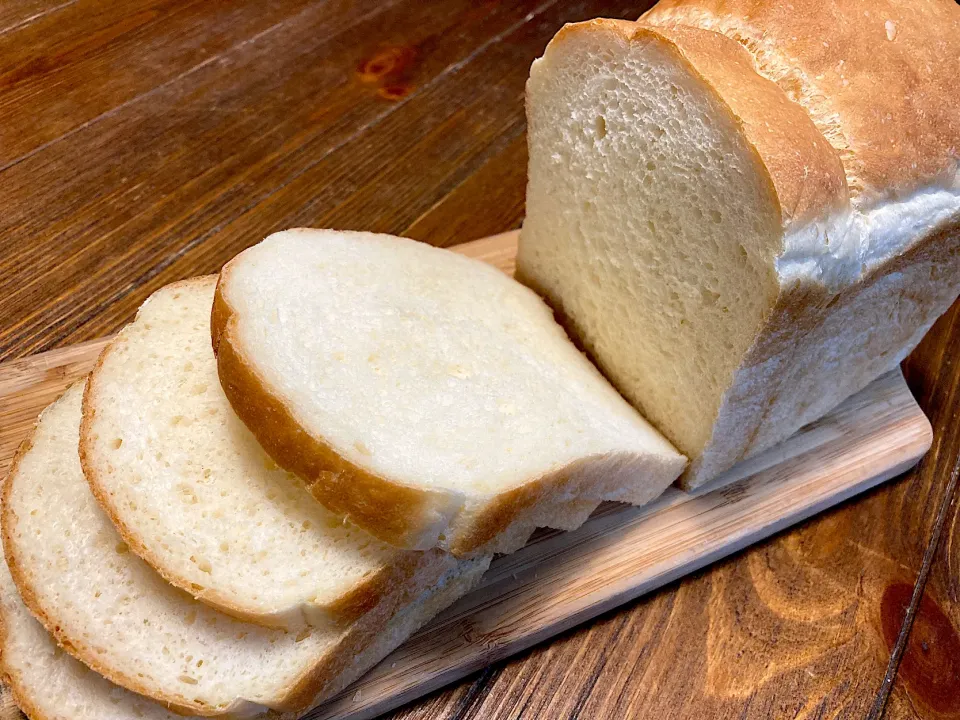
(150, 140)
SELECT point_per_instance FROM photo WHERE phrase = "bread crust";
(9, 678)
(799, 314)
(802, 166)
(361, 598)
(890, 138)
(892, 135)
(20, 696)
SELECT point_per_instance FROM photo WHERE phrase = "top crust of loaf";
(422, 517)
(240, 474)
(882, 87)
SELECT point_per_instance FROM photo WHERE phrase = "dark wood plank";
(68, 67)
(927, 679)
(491, 199)
(178, 165)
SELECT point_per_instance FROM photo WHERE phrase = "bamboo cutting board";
(561, 579)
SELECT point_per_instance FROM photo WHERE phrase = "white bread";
(426, 395)
(739, 256)
(194, 495)
(47, 683)
(112, 611)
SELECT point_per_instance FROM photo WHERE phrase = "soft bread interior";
(420, 364)
(47, 683)
(651, 225)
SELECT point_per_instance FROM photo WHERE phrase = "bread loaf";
(746, 210)
(193, 493)
(427, 396)
(110, 610)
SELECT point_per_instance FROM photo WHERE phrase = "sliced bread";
(112, 611)
(47, 683)
(192, 493)
(427, 396)
(744, 227)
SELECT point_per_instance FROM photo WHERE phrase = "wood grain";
(166, 175)
(197, 171)
(562, 579)
(927, 679)
(15, 14)
(46, 66)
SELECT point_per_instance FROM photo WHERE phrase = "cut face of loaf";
(113, 612)
(694, 230)
(191, 491)
(47, 683)
(427, 396)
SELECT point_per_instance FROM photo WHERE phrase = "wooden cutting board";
(561, 579)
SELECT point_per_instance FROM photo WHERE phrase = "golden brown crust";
(880, 77)
(497, 517)
(393, 512)
(489, 526)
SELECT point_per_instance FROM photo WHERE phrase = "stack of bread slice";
(272, 478)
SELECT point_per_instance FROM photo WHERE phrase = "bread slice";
(194, 495)
(47, 683)
(424, 394)
(696, 232)
(113, 612)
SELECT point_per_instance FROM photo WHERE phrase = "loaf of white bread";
(746, 210)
